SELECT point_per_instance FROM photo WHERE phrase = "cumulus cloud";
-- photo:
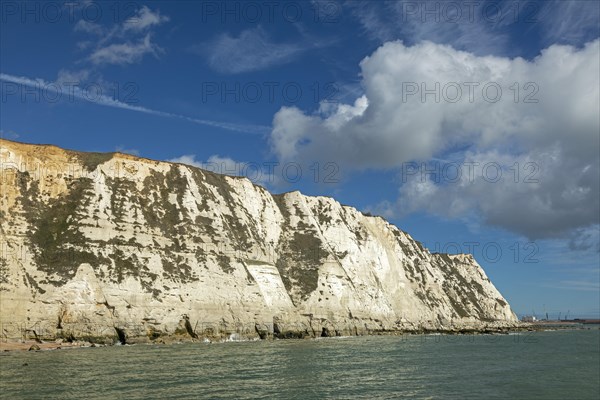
(429, 100)
(188, 159)
(541, 194)
(252, 50)
(397, 120)
(215, 163)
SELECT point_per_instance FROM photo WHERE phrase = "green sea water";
(540, 365)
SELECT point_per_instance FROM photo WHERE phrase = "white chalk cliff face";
(94, 244)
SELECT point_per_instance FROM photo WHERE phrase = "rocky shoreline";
(71, 343)
(9, 345)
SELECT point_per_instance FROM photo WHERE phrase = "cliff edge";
(111, 246)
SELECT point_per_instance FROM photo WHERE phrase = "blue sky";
(474, 126)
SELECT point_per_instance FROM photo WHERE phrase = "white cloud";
(478, 26)
(124, 150)
(72, 77)
(587, 286)
(188, 159)
(124, 43)
(84, 45)
(253, 50)
(372, 18)
(89, 27)
(256, 172)
(542, 194)
(215, 163)
(9, 134)
(226, 165)
(464, 25)
(388, 127)
(570, 22)
(584, 239)
(144, 19)
(75, 91)
(125, 53)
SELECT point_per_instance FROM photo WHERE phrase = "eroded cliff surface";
(95, 245)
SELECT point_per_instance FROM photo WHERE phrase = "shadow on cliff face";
(121, 335)
(188, 328)
(280, 333)
(185, 327)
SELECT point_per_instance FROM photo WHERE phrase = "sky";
(472, 125)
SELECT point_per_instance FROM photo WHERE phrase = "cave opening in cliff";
(121, 335)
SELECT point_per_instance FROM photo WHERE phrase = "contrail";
(103, 100)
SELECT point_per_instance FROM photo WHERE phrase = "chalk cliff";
(103, 246)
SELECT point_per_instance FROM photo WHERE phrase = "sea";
(563, 364)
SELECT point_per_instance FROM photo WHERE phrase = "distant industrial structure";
(528, 318)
